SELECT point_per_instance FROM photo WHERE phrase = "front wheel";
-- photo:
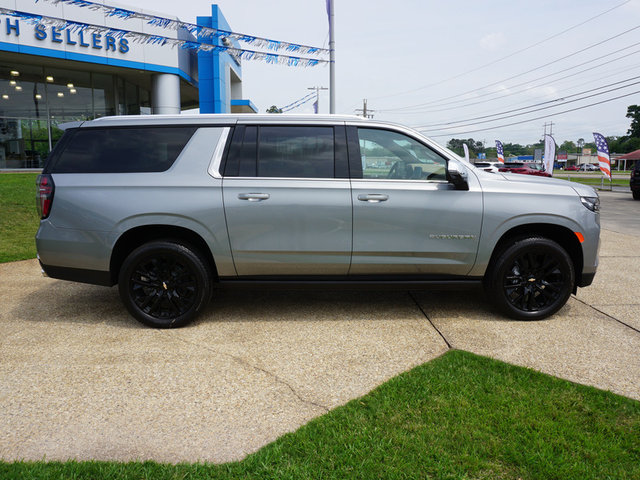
(165, 284)
(531, 279)
(636, 194)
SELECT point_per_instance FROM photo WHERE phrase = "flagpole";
(332, 61)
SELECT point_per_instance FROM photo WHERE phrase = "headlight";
(592, 203)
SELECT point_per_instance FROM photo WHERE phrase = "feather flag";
(549, 153)
(603, 154)
(466, 152)
(500, 151)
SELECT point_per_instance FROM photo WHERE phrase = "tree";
(455, 144)
(633, 112)
(568, 146)
(274, 109)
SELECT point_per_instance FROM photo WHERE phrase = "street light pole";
(332, 61)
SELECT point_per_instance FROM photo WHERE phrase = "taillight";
(44, 196)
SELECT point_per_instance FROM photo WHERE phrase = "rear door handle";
(373, 197)
(253, 197)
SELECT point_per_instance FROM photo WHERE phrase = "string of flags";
(145, 38)
(201, 32)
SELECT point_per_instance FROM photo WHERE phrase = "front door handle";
(253, 197)
(373, 197)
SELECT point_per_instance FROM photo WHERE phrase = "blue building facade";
(220, 73)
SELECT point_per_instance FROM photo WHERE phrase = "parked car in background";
(588, 167)
(528, 168)
(488, 166)
(571, 168)
(634, 181)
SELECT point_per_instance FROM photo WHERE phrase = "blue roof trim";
(81, 57)
(247, 103)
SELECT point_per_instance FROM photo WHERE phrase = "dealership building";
(51, 75)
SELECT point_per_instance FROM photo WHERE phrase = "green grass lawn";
(459, 416)
(596, 182)
(18, 216)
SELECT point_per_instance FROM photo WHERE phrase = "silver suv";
(168, 207)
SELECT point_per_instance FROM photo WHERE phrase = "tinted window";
(387, 154)
(122, 150)
(303, 152)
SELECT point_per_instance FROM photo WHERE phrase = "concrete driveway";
(80, 379)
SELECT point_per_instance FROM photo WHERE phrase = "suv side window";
(392, 155)
(291, 151)
(122, 150)
(295, 152)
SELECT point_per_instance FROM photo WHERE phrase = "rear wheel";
(165, 284)
(636, 194)
(531, 279)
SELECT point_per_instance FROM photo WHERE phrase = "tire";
(531, 279)
(636, 194)
(165, 284)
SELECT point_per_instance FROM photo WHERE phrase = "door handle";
(253, 197)
(373, 197)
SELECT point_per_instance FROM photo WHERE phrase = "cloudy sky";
(458, 68)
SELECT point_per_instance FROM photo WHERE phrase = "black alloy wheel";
(165, 284)
(532, 279)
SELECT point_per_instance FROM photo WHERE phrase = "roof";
(635, 155)
(209, 119)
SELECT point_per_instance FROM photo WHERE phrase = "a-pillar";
(165, 93)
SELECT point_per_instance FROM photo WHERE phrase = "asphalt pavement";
(81, 379)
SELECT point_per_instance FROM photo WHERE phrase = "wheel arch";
(563, 236)
(137, 236)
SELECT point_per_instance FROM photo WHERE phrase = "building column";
(165, 93)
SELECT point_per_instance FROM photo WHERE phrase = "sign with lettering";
(83, 38)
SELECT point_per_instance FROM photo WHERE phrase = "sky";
(454, 69)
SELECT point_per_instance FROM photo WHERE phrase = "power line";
(505, 57)
(530, 70)
(496, 116)
(536, 118)
(590, 68)
(298, 102)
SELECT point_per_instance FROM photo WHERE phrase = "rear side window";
(296, 152)
(122, 150)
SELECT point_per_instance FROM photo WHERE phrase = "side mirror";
(457, 177)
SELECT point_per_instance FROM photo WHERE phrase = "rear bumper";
(93, 277)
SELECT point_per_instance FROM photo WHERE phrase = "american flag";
(603, 154)
(500, 151)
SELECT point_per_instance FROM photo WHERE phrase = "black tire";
(530, 279)
(165, 284)
(636, 194)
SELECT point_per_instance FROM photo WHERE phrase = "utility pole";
(366, 113)
(550, 130)
(317, 89)
(332, 60)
